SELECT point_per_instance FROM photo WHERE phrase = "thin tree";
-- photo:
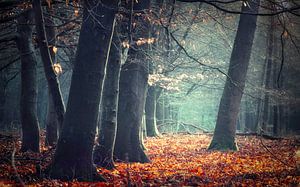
(52, 123)
(51, 76)
(103, 153)
(150, 110)
(224, 134)
(29, 121)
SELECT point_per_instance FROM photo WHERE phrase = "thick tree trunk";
(150, 109)
(52, 122)
(51, 77)
(103, 154)
(133, 87)
(73, 155)
(30, 125)
(224, 134)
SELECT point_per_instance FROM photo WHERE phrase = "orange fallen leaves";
(182, 160)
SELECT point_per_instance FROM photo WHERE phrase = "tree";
(224, 134)
(73, 155)
(51, 77)
(153, 91)
(267, 77)
(103, 153)
(52, 123)
(30, 124)
(150, 110)
(133, 87)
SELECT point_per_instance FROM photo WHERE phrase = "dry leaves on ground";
(179, 160)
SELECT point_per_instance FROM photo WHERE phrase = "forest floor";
(177, 160)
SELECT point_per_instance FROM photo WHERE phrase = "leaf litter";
(176, 160)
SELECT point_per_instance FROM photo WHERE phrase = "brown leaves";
(182, 160)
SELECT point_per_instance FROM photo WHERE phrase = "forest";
(149, 93)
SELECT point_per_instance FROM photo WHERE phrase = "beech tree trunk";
(29, 120)
(103, 154)
(275, 69)
(159, 112)
(150, 110)
(51, 77)
(73, 155)
(267, 79)
(133, 87)
(224, 134)
(249, 117)
(52, 122)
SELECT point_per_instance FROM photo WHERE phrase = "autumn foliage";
(177, 160)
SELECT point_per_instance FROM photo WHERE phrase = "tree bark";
(2, 99)
(29, 121)
(269, 60)
(103, 154)
(150, 110)
(249, 117)
(51, 77)
(52, 122)
(73, 155)
(224, 134)
(159, 112)
(133, 87)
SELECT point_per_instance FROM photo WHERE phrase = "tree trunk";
(133, 87)
(29, 121)
(249, 117)
(275, 69)
(51, 77)
(2, 99)
(159, 112)
(269, 60)
(52, 122)
(224, 134)
(150, 109)
(103, 154)
(73, 155)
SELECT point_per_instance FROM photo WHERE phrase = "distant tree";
(151, 97)
(29, 121)
(133, 87)
(103, 153)
(267, 77)
(224, 134)
(150, 110)
(73, 155)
